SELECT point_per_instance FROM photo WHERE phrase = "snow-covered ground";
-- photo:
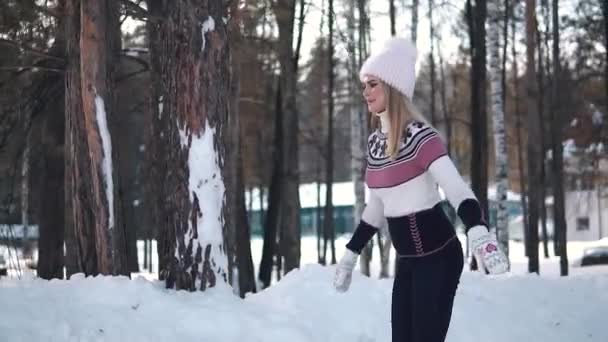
(304, 307)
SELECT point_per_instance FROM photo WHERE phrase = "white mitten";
(344, 270)
(485, 248)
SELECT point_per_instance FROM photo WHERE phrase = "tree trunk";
(498, 118)
(479, 138)
(533, 134)
(80, 206)
(284, 11)
(444, 102)
(605, 17)
(241, 234)
(273, 216)
(432, 64)
(51, 207)
(193, 51)
(518, 125)
(391, 11)
(542, 181)
(559, 219)
(414, 26)
(357, 140)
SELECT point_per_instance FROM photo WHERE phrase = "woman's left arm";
(433, 157)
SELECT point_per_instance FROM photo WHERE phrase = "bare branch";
(21, 68)
(50, 11)
(30, 49)
(135, 11)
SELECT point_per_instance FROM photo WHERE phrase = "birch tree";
(498, 124)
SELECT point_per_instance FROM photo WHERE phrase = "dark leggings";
(423, 294)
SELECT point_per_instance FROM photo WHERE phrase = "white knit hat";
(395, 64)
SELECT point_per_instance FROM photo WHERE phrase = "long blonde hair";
(401, 112)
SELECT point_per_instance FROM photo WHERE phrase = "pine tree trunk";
(269, 249)
(80, 235)
(51, 206)
(559, 219)
(192, 48)
(533, 134)
(240, 236)
(98, 49)
(284, 11)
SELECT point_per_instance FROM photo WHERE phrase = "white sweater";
(408, 183)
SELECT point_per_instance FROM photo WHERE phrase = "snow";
(597, 117)
(205, 180)
(106, 165)
(160, 106)
(303, 306)
(208, 25)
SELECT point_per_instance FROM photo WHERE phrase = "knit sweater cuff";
(470, 213)
(361, 237)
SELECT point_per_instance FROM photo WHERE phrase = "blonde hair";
(401, 112)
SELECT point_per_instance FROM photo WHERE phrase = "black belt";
(421, 233)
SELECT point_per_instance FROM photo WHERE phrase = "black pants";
(423, 295)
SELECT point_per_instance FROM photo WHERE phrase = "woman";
(406, 161)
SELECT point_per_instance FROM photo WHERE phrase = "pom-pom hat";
(394, 64)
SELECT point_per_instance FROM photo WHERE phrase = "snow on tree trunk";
(192, 58)
(498, 118)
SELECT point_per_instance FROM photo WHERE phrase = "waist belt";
(421, 233)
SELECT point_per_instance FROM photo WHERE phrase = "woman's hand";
(486, 250)
(344, 270)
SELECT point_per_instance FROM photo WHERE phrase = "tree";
(191, 56)
(414, 27)
(557, 162)
(328, 219)
(284, 11)
(476, 19)
(498, 121)
(534, 155)
(357, 120)
(240, 239)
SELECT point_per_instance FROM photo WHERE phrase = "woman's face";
(373, 93)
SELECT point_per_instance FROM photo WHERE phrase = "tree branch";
(135, 11)
(53, 12)
(30, 49)
(21, 68)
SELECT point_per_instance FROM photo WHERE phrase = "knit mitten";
(485, 248)
(344, 270)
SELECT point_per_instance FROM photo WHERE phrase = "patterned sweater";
(407, 185)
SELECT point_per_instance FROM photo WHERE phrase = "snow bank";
(302, 307)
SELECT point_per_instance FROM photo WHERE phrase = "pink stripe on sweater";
(400, 172)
